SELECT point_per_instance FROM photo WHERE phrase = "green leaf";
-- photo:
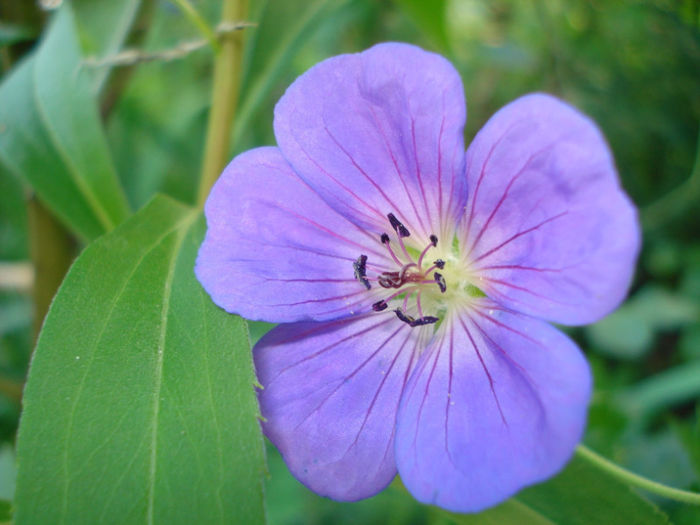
(50, 135)
(580, 495)
(140, 406)
(583, 494)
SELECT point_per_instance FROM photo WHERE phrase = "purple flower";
(416, 282)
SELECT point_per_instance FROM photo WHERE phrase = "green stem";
(227, 72)
(51, 248)
(630, 478)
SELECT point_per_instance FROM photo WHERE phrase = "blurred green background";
(633, 66)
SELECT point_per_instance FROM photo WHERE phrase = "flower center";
(425, 280)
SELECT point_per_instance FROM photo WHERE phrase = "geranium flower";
(415, 282)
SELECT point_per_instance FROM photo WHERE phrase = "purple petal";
(379, 132)
(275, 251)
(331, 392)
(496, 404)
(548, 228)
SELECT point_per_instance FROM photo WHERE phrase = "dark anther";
(404, 317)
(433, 239)
(379, 306)
(428, 319)
(385, 238)
(412, 321)
(360, 267)
(440, 280)
(390, 280)
(439, 263)
(399, 228)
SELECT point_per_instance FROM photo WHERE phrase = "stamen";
(379, 306)
(412, 321)
(433, 243)
(387, 243)
(360, 268)
(428, 319)
(440, 280)
(439, 264)
(404, 317)
(399, 228)
(408, 280)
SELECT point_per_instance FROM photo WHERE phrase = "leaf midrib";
(158, 379)
(189, 218)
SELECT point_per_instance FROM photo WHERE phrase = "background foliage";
(84, 145)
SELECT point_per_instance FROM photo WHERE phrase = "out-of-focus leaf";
(140, 406)
(103, 26)
(71, 116)
(5, 511)
(283, 28)
(665, 389)
(8, 472)
(50, 135)
(430, 17)
(10, 34)
(689, 344)
(689, 434)
(660, 456)
(628, 333)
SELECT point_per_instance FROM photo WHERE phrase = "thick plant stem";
(630, 478)
(51, 249)
(227, 72)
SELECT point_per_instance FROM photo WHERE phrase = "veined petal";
(379, 132)
(274, 251)
(548, 229)
(331, 392)
(496, 404)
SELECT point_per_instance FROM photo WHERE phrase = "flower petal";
(379, 132)
(498, 403)
(275, 251)
(548, 228)
(331, 391)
